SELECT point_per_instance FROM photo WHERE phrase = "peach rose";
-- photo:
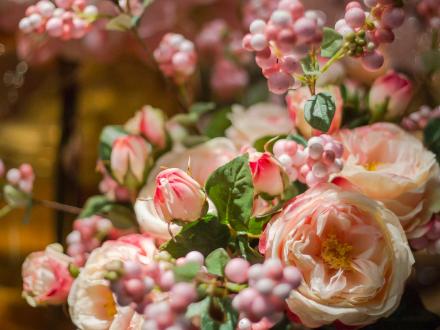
(46, 277)
(92, 305)
(260, 120)
(295, 104)
(393, 167)
(352, 253)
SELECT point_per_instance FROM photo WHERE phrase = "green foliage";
(215, 313)
(332, 41)
(298, 139)
(269, 140)
(246, 251)
(186, 272)
(231, 190)
(309, 67)
(431, 136)
(216, 261)
(204, 236)
(122, 22)
(319, 111)
(218, 123)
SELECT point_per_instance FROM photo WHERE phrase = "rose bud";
(178, 197)
(393, 91)
(129, 159)
(267, 174)
(46, 277)
(150, 123)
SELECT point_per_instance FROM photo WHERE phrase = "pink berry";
(13, 176)
(383, 35)
(135, 288)
(195, 256)
(393, 17)
(305, 28)
(260, 307)
(258, 41)
(292, 276)
(273, 268)
(372, 61)
(166, 280)
(265, 285)
(355, 17)
(279, 82)
(132, 269)
(289, 64)
(282, 290)
(370, 3)
(237, 270)
(353, 4)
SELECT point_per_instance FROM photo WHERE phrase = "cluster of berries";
(153, 291)
(312, 164)
(176, 57)
(282, 41)
(270, 284)
(419, 119)
(430, 11)
(87, 235)
(364, 31)
(431, 239)
(21, 178)
(66, 19)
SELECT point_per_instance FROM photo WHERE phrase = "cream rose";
(91, 303)
(393, 167)
(260, 120)
(352, 253)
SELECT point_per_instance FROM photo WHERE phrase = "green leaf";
(204, 236)
(246, 251)
(108, 135)
(431, 60)
(431, 135)
(261, 142)
(309, 67)
(215, 313)
(257, 92)
(186, 272)
(122, 22)
(218, 123)
(332, 41)
(216, 261)
(93, 206)
(319, 111)
(201, 108)
(231, 190)
(298, 139)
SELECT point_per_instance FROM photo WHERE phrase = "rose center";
(371, 166)
(336, 254)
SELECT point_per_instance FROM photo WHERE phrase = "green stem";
(339, 55)
(5, 210)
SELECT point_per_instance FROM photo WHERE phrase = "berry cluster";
(22, 177)
(258, 9)
(364, 31)
(430, 11)
(431, 239)
(270, 284)
(153, 291)
(419, 119)
(282, 41)
(66, 19)
(87, 235)
(313, 164)
(176, 57)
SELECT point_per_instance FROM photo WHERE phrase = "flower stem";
(5, 210)
(58, 206)
(339, 55)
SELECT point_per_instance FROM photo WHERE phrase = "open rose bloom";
(351, 251)
(393, 167)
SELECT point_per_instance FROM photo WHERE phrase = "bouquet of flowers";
(301, 211)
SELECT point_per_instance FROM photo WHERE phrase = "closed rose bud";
(267, 174)
(128, 159)
(150, 123)
(178, 196)
(393, 91)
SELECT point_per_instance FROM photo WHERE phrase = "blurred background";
(54, 100)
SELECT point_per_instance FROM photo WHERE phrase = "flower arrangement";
(304, 211)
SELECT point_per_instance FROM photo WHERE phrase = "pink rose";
(393, 91)
(150, 123)
(46, 277)
(178, 196)
(351, 251)
(295, 104)
(267, 174)
(393, 167)
(129, 159)
(92, 305)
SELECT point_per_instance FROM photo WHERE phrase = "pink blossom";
(393, 91)
(129, 158)
(178, 196)
(46, 278)
(150, 123)
(228, 79)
